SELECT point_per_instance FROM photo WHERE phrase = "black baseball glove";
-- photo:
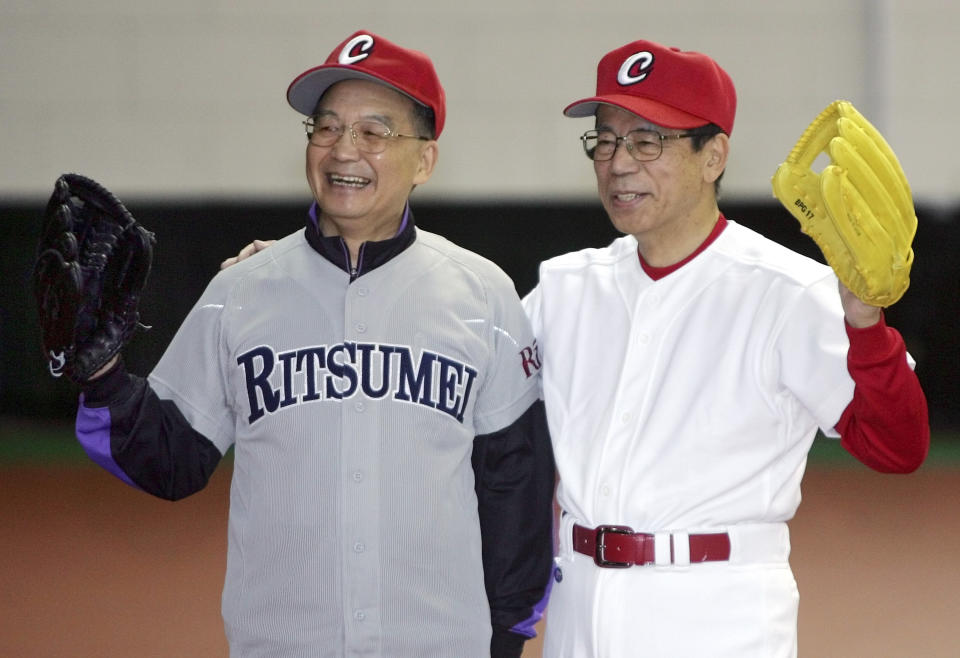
(92, 263)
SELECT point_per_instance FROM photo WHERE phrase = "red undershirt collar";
(657, 273)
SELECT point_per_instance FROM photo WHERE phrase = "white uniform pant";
(743, 608)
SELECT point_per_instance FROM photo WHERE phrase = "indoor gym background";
(179, 109)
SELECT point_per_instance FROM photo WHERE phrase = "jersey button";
(361, 328)
(359, 406)
(359, 547)
(357, 476)
(359, 615)
(362, 292)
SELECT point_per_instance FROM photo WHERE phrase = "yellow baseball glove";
(859, 209)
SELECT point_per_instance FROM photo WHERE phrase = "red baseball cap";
(667, 86)
(367, 56)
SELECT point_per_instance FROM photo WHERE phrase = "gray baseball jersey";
(352, 409)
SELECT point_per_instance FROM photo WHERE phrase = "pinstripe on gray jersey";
(352, 408)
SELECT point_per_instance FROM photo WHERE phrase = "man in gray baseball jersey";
(392, 484)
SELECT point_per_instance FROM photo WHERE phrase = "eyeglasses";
(367, 135)
(643, 145)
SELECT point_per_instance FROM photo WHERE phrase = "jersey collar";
(371, 254)
(657, 273)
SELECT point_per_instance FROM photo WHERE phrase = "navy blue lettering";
(416, 385)
(467, 387)
(258, 381)
(336, 372)
(286, 358)
(308, 361)
(450, 374)
(366, 365)
(343, 370)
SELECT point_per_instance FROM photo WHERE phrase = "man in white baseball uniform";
(392, 479)
(686, 369)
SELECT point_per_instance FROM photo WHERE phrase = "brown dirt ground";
(90, 567)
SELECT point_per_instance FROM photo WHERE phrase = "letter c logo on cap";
(635, 68)
(362, 43)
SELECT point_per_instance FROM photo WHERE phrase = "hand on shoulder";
(246, 252)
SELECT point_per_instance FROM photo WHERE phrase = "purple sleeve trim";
(93, 432)
(526, 627)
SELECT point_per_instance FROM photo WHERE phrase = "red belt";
(618, 546)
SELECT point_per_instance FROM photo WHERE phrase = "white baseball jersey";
(352, 408)
(686, 404)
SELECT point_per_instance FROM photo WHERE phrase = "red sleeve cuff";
(885, 426)
(873, 344)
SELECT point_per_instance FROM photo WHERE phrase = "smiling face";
(668, 204)
(361, 196)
